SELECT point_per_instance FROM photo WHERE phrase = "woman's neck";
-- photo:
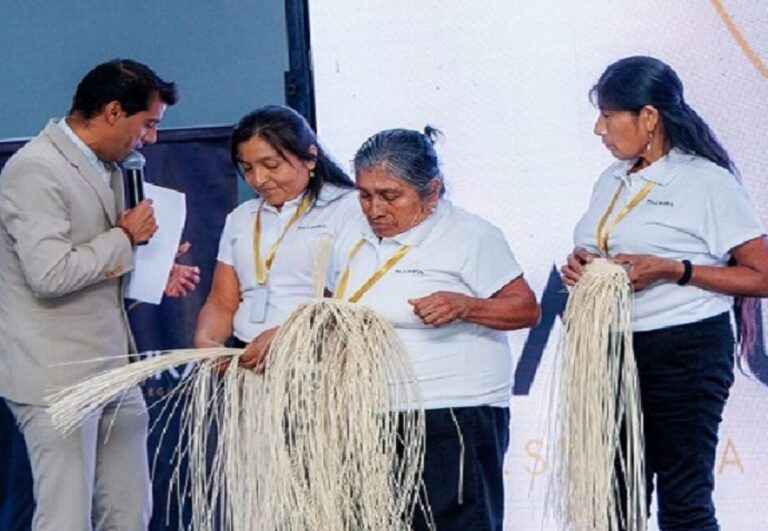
(656, 150)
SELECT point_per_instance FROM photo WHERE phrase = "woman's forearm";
(504, 313)
(214, 326)
(737, 280)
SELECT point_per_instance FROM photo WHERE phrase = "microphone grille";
(134, 161)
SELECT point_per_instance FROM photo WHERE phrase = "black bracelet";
(687, 272)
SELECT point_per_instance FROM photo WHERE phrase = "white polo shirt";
(696, 211)
(290, 281)
(459, 364)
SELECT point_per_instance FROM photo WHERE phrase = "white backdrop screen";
(507, 83)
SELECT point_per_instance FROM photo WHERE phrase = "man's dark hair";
(130, 83)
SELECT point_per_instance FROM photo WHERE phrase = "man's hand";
(139, 222)
(183, 278)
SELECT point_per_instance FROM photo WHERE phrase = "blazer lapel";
(77, 159)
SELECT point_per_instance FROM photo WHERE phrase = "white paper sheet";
(153, 261)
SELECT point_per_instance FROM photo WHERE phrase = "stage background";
(227, 59)
(507, 83)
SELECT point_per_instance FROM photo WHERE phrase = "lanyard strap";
(263, 268)
(602, 231)
(373, 279)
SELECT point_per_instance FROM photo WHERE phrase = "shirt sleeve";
(584, 230)
(345, 239)
(226, 242)
(490, 263)
(346, 212)
(730, 218)
(332, 269)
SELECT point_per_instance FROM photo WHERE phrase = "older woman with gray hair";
(450, 285)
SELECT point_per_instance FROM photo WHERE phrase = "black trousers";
(17, 502)
(478, 505)
(685, 375)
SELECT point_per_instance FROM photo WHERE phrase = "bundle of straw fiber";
(598, 475)
(310, 444)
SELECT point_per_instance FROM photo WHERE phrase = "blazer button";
(113, 272)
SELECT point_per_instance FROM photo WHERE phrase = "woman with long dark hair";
(673, 211)
(268, 247)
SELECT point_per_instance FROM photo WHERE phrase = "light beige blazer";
(61, 261)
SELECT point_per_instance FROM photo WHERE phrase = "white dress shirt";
(104, 169)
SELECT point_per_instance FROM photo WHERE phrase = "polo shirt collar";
(662, 172)
(414, 236)
(328, 194)
(292, 205)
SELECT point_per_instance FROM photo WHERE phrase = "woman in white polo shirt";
(673, 210)
(448, 282)
(268, 246)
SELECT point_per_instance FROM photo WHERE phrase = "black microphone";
(134, 177)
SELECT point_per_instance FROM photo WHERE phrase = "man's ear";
(113, 111)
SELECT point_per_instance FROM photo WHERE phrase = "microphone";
(134, 177)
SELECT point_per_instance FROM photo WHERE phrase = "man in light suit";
(65, 244)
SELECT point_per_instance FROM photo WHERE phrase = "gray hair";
(407, 154)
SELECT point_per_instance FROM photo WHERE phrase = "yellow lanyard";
(602, 231)
(373, 279)
(263, 269)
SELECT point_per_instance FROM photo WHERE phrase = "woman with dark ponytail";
(673, 211)
(267, 252)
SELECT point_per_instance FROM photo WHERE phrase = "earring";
(311, 174)
(650, 141)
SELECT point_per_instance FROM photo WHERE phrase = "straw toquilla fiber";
(312, 443)
(598, 475)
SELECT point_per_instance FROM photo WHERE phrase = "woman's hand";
(222, 364)
(573, 269)
(183, 278)
(512, 307)
(645, 269)
(441, 307)
(256, 351)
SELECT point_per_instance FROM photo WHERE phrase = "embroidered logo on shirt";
(409, 271)
(660, 203)
(309, 227)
